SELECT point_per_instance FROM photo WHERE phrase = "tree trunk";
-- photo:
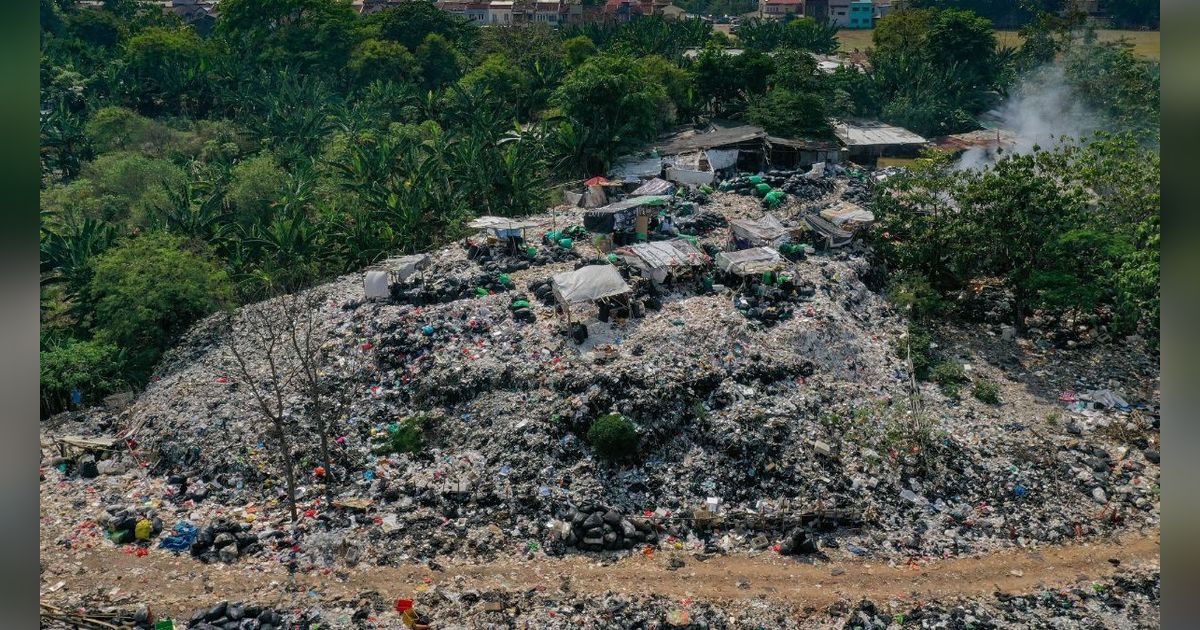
(285, 458)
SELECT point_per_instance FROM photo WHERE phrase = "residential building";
(882, 9)
(552, 12)
(780, 9)
(817, 10)
(500, 12)
(473, 11)
(838, 12)
(862, 14)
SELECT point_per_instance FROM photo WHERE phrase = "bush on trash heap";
(613, 436)
(987, 392)
(405, 436)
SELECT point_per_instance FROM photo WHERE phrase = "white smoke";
(1042, 110)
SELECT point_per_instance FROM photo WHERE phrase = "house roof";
(979, 138)
(874, 133)
(716, 136)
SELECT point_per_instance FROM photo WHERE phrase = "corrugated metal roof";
(874, 133)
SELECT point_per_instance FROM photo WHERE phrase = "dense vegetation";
(1069, 227)
(298, 140)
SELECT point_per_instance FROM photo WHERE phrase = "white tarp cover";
(502, 223)
(721, 158)
(636, 168)
(750, 261)
(685, 176)
(847, 213)
(375, 284)
(655, 186)
(765, 231)
(588, 284)
(401, 267)
(663, 254)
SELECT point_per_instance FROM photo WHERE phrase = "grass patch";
(1145, 43)
(949, 376)
(405, 436)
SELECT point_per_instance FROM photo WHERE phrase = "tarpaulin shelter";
(654, 186)
(588, 284)
(751, 261)
(847, 215)
(662, 258)
(765, 232)
(833, 235)
(377, 280)
(503, 227)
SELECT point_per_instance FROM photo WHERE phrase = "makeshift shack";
(867, 141)
(749, 262)
(501, 230)
(378, 279)
(661, 259)
(767, 231)
(624, 221)
(848, 215)
(590, 284)
(828, 234)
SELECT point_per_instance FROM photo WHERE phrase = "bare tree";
(308, 341)
(255, 337)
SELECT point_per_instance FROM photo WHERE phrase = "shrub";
(922, 355)
(987, 392)
(949, 375)
(92, 367)
(613, 436)
(405, 436)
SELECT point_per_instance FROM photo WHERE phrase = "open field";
(1145, 43)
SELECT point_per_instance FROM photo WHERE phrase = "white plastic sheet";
(588, 284)
(375, 284)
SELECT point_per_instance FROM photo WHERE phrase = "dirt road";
(178, 585)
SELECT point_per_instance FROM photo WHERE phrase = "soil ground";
(799, 584)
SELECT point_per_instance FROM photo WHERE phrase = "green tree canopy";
(149, 289)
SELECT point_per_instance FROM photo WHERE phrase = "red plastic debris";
(222, 379)
(319, 471)
(368, 345)
(403, 605)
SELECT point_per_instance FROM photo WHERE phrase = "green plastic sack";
(552, 236)
(766, 277)
(613, 258)
(756, 179)
(520, 304)
(706, 189)
(504, 279)
(532, 252)
(775, 197)
(480, 291)
(762, 189)
(565, 243)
